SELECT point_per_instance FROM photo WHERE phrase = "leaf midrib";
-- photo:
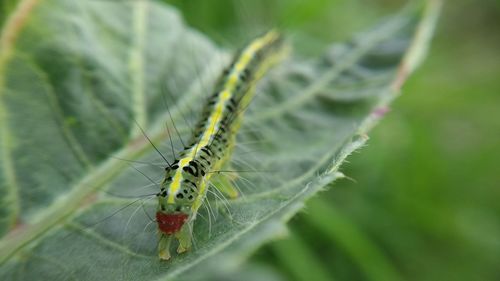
(136, 67)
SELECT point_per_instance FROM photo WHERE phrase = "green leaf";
(80, 78)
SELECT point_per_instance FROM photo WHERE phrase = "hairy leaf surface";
(80, 79)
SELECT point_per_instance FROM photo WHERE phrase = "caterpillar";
(184, 186)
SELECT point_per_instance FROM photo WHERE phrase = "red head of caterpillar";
(173, 211)
(185, 184)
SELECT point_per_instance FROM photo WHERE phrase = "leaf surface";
(79, 79)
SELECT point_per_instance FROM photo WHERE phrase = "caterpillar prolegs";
(185, 184)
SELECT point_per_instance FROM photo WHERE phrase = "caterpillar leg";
(224, 185)
(164, 246)
(184, 236)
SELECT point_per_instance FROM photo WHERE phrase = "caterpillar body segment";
(186, 180)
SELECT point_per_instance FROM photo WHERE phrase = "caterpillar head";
(175, 203)
(172, 216)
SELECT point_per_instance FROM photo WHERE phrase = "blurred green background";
(424, 200)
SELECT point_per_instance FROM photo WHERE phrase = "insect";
(185, 184)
